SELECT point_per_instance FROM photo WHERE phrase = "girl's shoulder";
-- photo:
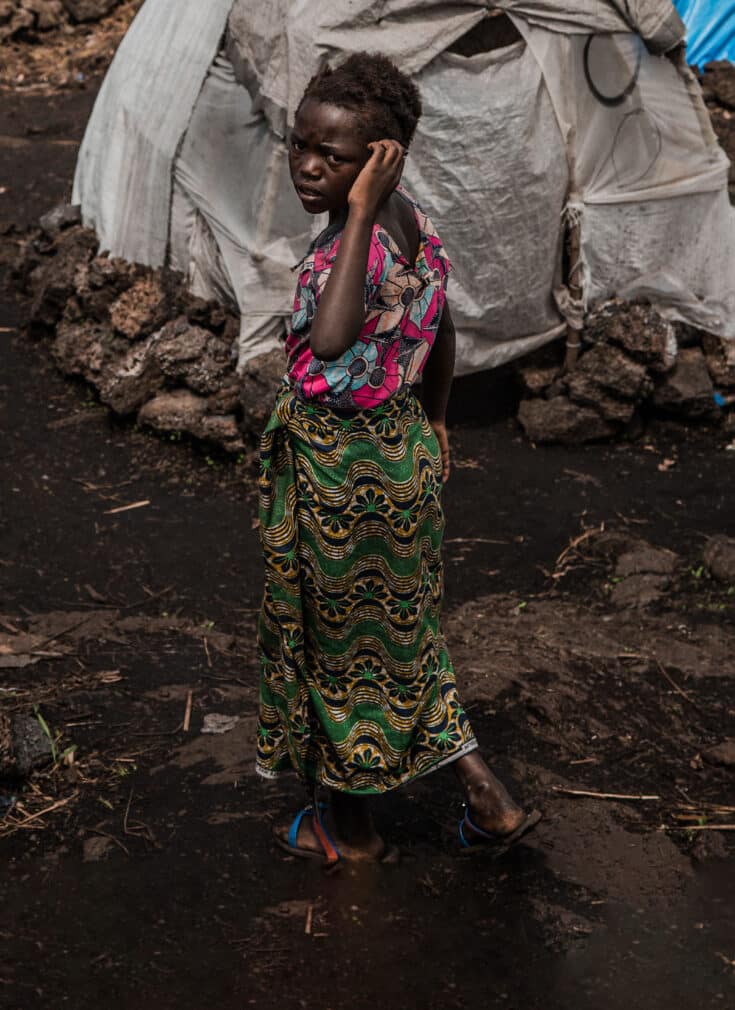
(423, 222)
(433, 256)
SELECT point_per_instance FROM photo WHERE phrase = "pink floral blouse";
(404, 304)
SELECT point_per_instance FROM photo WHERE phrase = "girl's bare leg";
(491, 806)
(354, 826)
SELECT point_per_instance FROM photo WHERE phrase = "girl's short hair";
(372, 86)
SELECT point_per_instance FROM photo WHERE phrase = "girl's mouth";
(308, 194)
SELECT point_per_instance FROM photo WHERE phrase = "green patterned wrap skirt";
(357, 691)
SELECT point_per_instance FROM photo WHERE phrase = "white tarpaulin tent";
(581, 119)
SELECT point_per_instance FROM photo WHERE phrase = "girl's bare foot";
(491, 807)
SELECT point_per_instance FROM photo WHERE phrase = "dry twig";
(700, 827)
(602, 796)
(187, 712)
(561, 561)
(127, 508)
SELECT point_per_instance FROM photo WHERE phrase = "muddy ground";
(139, 870)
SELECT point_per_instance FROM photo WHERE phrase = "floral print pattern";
(403, 304)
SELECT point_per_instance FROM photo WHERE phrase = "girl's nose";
(311, 166)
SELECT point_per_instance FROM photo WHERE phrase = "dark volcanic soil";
(153, 881)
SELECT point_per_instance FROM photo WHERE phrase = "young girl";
(358, 693)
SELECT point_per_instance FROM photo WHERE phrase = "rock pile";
(640, 574)
(149, 347)
(154, 351)
(632, 360)
(25, 17)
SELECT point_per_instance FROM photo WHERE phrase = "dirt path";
(155, 883)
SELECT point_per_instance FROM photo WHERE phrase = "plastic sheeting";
(505, 137)
(634, 128)
(492, 169)
(124, 171)
(279, 45)
(237, 226)
(710, 28)
(649, 181)
(675, 253)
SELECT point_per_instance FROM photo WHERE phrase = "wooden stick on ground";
(700, 827)
(602, 796)
(47, 810)
(187, 712)
(127, 508)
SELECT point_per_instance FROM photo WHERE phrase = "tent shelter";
(541, 117)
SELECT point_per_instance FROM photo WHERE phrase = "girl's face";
(326, 154)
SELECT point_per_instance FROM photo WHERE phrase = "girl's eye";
(334, 159)
(297, 144)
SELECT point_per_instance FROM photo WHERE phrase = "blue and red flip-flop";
(491, 842)
(330, 855)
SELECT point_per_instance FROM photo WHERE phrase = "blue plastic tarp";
(710, 29)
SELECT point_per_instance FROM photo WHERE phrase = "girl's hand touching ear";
(378, 178)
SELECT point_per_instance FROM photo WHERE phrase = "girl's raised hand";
(379, 177)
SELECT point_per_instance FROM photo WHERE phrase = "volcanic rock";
(560, 420)
(48, 13)
(209, 314)
(62, 216)
(612, 544)
(639, 330)
(227, 399)
(24, 745)
(260, 379)
(688, 390)
(98, 284)
(719, 558)
(86, 349)
(15, 21)
(140, 309)
(54, 281)
(131, 380)
(536, 379)
(719, 82)
(194, 356)
(607, 379)
(182, 410)
(646, 559)
(720, 357)
(89, 10)
(639, 591)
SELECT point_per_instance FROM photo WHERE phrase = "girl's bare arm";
(341, 313)
(437, 382)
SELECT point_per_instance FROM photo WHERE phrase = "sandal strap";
(479, 831)
(331, 851)
(293, 831)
